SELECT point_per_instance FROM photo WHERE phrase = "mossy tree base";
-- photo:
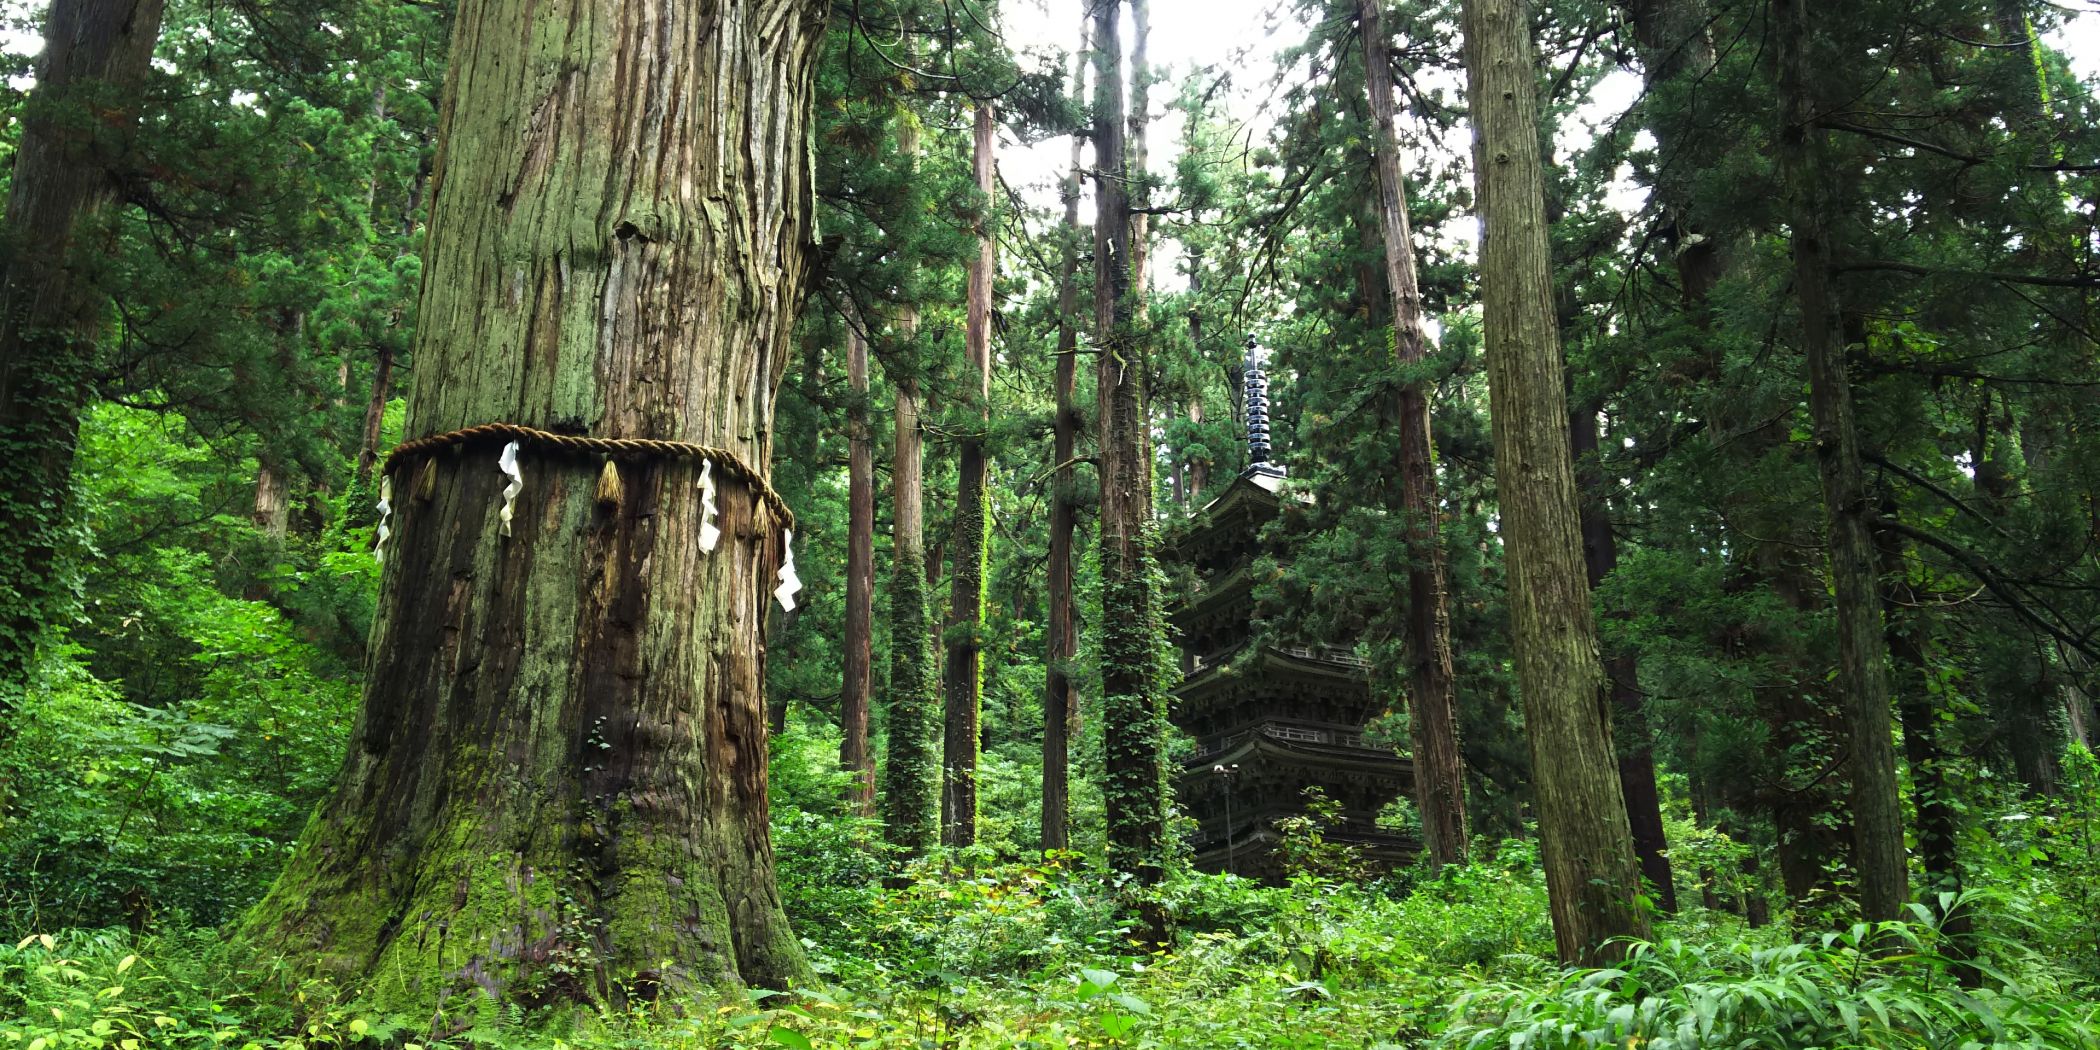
(556, 792)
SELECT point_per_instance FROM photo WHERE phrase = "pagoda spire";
(1256, 384)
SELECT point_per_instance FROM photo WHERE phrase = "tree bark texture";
(1060, 701)
(556, 791)
(76, 127)
(1877, 812)
(1591, 877)
(1133, 701)
(965, 675)
(858, 685)
(1440, 770)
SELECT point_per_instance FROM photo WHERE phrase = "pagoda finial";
(1256, 382)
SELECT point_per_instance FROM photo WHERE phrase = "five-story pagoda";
(1270, 718)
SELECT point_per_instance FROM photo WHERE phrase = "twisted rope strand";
(626, 448)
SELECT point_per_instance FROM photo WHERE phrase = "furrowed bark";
(556, 792)
(1877, 812)
(1591, 877)
(1440, 771)
(76, 126)
(965, 676)
(854, 692)
(1133, 702)
(1060, 702)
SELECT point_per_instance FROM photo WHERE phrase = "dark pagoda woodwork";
(1270, 720)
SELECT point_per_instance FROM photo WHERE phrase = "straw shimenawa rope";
(625, 448)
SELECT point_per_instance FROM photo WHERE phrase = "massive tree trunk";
(77, 122)
(1440, 770)
(1877, 812)
(1133, 702)
(1060, 703)
(1591, 877)
(854, 754)
(971, 529)
(911, 773)
(557, 789)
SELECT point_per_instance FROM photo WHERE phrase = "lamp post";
(1229, 773)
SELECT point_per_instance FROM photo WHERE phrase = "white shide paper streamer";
(508, 464)
(709, 534)
(386, 512)
(790, 584)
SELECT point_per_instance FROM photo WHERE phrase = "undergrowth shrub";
(1895, 984)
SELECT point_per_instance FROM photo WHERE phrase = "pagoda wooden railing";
(1282, 731)
(1326, 654)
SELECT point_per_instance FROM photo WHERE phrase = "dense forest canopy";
(1430, 523)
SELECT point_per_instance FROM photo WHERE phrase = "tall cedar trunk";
(854, 754)
(1932, 790)
(76, 126)
(911, 774)
(1591, 877)
(1060, 703)
(1133, 704)
(1197, 466)
(1636, 749)
(970, 529)
(1137, 189)
(1671, 39)
(557, 787)
(1440, 770)
(1877, 812)
(272, 512)
(375, 412)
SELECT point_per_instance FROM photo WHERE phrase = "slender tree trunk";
(1060, 702)
(1877, 812)
(272, 512)
(1137, 187)
(1197, 467)
(854, 754)
(76, 125)
(1591, 877)
(1672, 41)
(1931, 788)
(1636, 749)
(1133, 702)
(375, 412)
(557, 787)
(911, 774)
(1440, 770)
(971, 531)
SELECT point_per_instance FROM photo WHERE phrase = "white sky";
(1245, 36)
(1242, 36)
